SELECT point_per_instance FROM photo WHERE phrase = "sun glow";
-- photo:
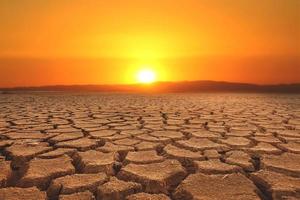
(146, 76)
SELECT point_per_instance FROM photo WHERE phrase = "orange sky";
(107, 42)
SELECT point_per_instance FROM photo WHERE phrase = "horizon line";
(147, 84)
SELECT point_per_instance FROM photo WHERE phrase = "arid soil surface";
(155, 147)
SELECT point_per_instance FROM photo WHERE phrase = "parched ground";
(155, 147)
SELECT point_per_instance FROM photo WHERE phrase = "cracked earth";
(156, 147)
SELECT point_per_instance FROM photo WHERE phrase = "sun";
(146, 76)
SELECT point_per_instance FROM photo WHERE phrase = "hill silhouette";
(168, 87)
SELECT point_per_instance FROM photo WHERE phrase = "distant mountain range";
(167, 87)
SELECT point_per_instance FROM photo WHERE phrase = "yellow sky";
(147, 32)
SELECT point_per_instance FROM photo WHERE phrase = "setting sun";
(146, 76)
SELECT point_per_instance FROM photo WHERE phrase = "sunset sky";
(109, 41)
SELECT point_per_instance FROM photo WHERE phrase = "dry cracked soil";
(92, 146)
